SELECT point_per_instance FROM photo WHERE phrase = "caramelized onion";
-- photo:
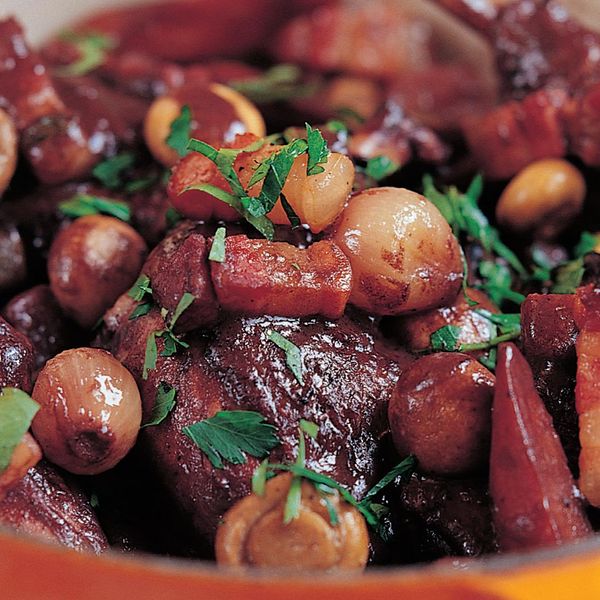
(403, 254)
(90, 410)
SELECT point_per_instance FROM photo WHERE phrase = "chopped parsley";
(505, 327)
(272, 171)
(496, 282)
(110, 171)
(380, 167)
(217, 249)
(92, 48)
(569, 275)
(293, 355)
(141, 292)
(277, 84)
(163, 404)
(318, 153)
(230, 435)
(445, 339)
(370, 510)
(464, 216)
(81, 205)
(17, 410)
(171, 341)
(309, 428)
(141, 288)
(179, 136)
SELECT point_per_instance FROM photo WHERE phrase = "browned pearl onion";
(404, 256)
(164, 110)
(440, 412)
(90, 410)
(91, 263)
(543, 198)
(24, 456)
(253, 532)
(8, 150)
(317, 199)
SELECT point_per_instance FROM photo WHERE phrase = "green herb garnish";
(318, 153)
(570, 274)
(171, 341)
(505, 327)
(464, 216)
(110, 171)
(497, 281)
(141, 292)
(403, 469)
(230, 435)
(141, 289)
(92, 48)
(179, 137)
(277, 84)
(164, 403)
(17, 410)
(217, 250)
(293, 355)
(380, 167)
(445, 339)
(272, 171)
(309, 428)
(81, 205)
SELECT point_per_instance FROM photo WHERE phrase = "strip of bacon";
(260, 277)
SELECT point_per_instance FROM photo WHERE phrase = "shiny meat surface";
(44, 505)
(16, 358)
(549, 335)
(348, 378)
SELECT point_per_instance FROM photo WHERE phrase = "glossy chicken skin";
(536, 502)
(348, 379)
(44, 505)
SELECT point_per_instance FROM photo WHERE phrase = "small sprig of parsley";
(141, 292)
(369, 509)
(230, 435)
(504, 327)
(164, 403)
(379, 168)
(293, 355)
(93, 51)
(110, 172)
(569, 275)
(81, 205)
(171, 341)
(272, 171)
(465, 217)
(17, 410)
(179, 135)
(279, 83)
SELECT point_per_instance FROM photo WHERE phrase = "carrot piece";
(536, 502)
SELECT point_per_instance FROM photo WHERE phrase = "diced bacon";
(260, 277)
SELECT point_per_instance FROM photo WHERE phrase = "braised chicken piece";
(43, 505)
